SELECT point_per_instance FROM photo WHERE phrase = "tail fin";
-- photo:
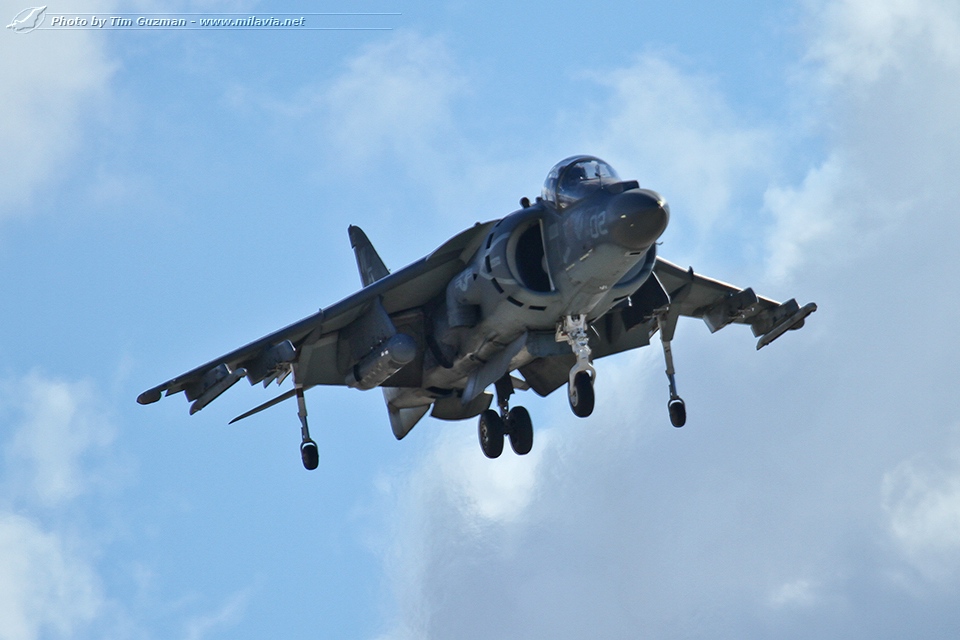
(368, 262)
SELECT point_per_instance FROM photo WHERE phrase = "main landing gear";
(514, 423)
(573, 330)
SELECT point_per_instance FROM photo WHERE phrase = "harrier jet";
(529, 301)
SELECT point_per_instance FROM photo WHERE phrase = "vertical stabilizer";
(368, 261)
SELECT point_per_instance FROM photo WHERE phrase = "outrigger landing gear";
(514, 422)
(573, 330)
(675, 406)
(308, 448)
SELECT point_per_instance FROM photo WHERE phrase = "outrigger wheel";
(309, 454)
(678, 412)
(667, 322)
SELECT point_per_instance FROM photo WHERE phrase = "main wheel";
(678, 412)
(581, 395)
(491, 433)
(520, 428)
(310, 455)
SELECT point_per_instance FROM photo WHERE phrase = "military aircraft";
(541, 292)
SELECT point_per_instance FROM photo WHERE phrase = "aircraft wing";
(669, 293)
(312, 342)
(720, 304)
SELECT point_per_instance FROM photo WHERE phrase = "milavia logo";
(28, 19)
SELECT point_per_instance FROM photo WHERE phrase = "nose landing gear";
(573, 331)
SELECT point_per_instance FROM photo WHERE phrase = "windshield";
(576, 177)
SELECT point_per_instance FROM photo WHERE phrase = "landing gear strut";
(675, 406)
(573, 330)
(308, 448)
(514, 423)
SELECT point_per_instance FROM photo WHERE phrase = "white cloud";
(52, 82)
(452, 507)
(799, 593)
(858, 40)
(387, 114)
(889, 74)
(676, 132)
(394, 99)
(53, 446)
(802, 216)
(45, 589)
(61, 429)
(766, 516)
(921, 497)
(225, 617)
(497, 491)
(814, 221)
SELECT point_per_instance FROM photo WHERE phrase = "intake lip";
(636, 218)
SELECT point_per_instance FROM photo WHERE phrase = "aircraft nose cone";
(637, 218)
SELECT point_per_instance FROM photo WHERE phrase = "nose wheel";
(580, 394)
(573, 331)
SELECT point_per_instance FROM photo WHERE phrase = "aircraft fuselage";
(540, 264)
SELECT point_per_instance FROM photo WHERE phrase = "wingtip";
(795, 321)
(149, 397)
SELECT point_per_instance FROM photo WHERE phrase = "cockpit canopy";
(574, 178)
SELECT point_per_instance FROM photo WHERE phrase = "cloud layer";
(816, 498)
(53, 84)
(49, 585)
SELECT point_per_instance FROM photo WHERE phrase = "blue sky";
(167, 196)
